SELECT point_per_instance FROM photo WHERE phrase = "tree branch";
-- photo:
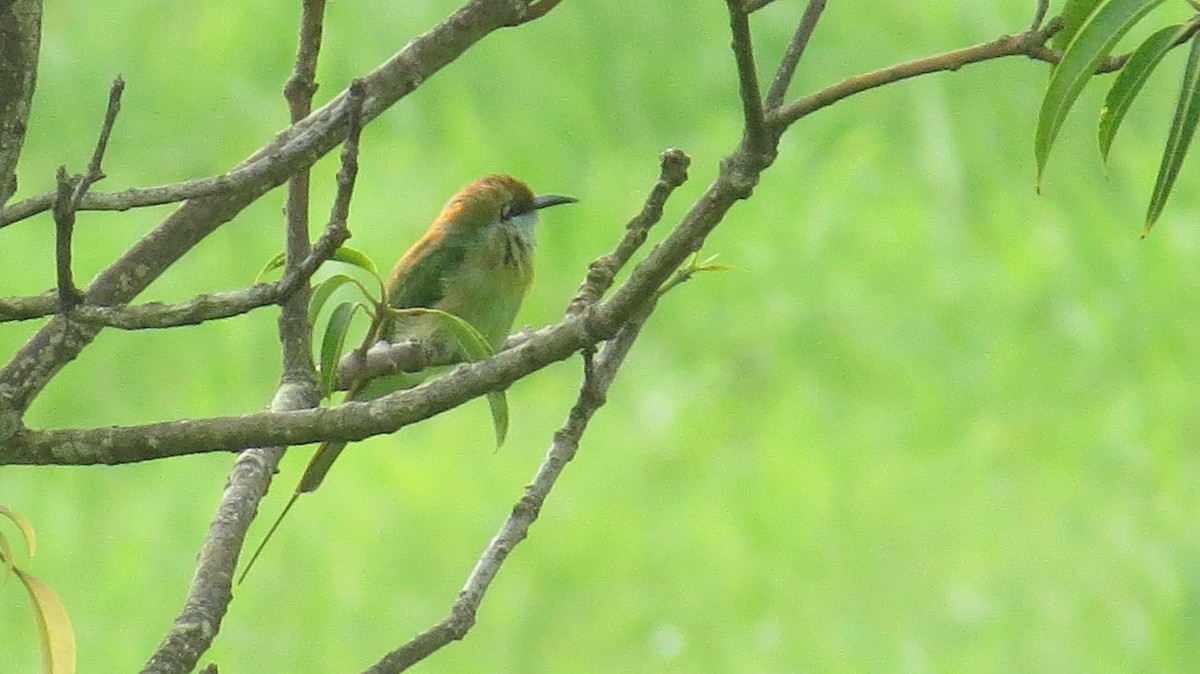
(743, 52)
(198, 309)
(1039, 14)
(21, 34)
(1029, 43)
(601, 272)
(64, 225)
(795, 50)
(67, 197)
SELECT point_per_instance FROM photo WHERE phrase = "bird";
(475, 261)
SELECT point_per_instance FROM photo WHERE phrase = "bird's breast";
(487, 288)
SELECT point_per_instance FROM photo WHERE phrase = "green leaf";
(1099, 33)
(26, 529)
(334, 341)
(1183, 127)
(1074, 13)
(55, 635)
(23, 526)
(1130, 80)
(498, 404)
(272, 264)
(324, 290)
(353, 257)
(475, 347)
(6, 556)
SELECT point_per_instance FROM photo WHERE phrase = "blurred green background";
(932, 421)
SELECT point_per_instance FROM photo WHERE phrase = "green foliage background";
(931, 422)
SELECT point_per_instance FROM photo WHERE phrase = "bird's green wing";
(419, 278)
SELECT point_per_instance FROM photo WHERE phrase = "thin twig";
(295, 333)
(137, 197)
(1029, 43)
(795, 50)
(598, 377)
(743, 51)
(673, 166)
(198, 309)
(1039, 14)
(348, 172)
(67, 196)
(94, 171)
(64, 228)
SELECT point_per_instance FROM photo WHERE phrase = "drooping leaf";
(475, 347)
(1183, 128)
(498, 404)
(1099, 33)
(23, 526)
(7, 558)
(1130, 80)
(55, 634)
(1074, 13)
(356, 258)
(322, 292)
(272, 264)
(334, 341)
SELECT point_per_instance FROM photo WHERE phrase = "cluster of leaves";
(55, 634)
(1091, 30)
(378, 309)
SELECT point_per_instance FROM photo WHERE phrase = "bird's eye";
(513, 209)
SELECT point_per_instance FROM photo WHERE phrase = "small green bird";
(476, 262)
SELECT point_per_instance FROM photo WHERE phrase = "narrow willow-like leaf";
(6, 557)
(55, 634)
(333, 341)
(356, 258)
(498, 404)
(272, 264)
(324, 290)
(1074, 13)
(1183, 127)
(474, 347)
(1130, 80)
(23, 526)
(1096, 38)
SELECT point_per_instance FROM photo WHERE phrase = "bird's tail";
(317, 468)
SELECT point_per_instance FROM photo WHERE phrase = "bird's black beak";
(545, 200)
